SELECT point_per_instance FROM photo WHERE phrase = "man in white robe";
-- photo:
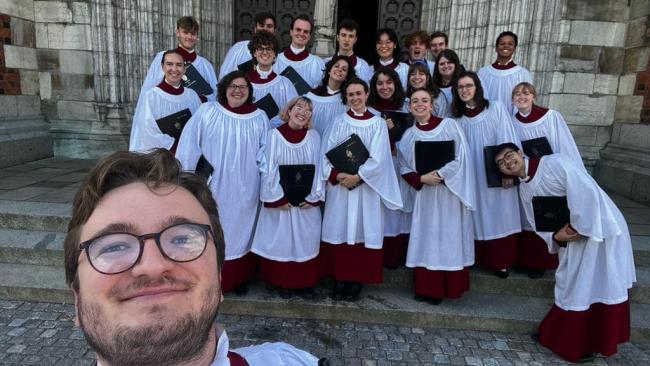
(309, 67)
(187, 32)
(591, 311)
(346, 37)
(167, 98)
(501, 77)
(139, 303)
(418, 44)
(239, 52)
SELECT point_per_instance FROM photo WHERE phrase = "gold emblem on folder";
(350, 155)
(178, 125)
(298, 177)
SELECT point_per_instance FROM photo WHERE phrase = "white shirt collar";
(263, 74)
(296, 50)
(384, 63)
(359, 114)
(524, 179)
(331, 91)
(172, 85)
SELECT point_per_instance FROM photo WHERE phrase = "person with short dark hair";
(230, 135)
(187, 32)
(499, 78)
(167, 98)
(308, 66)
(439, 41)
(239, 53)
(346, 37)
(591, 313)
(143, 257)
(496, 219)
(387, 46)
(417, 44)
(446, 72)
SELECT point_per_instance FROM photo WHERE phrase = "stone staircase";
(31, 268)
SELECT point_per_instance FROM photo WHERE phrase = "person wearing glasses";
(143, 258)
(387, 46)
(230, 135)
(591, 313)
(308, 66)
(496, 219)
(239, 52)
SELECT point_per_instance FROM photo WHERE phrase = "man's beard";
(165, 342)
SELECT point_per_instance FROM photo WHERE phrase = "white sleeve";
(188, 151)
(276, 354)
(154, 75)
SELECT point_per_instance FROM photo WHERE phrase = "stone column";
(324, 27)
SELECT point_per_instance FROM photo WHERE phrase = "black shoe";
(535, 337)
(306, 293)
(240, 290)
(353, 291)
(285, 293)
(535, 273)
(420, 298)
(519, 269)
(504, 273)
(434, 300)
(337, 291)
(587, 358)
(324, 362)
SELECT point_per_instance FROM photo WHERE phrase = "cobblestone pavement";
(44, 334)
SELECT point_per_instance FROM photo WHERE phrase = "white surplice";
(442, 234)
(294, 234)
(325, 111)
(310, 69)
(280, 88)
(498, 84)
(598, 268)
(233, 144)
(236, 55)
(156, 104)
(356, 216)
(497, 209)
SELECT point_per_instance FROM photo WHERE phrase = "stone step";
(378, 304)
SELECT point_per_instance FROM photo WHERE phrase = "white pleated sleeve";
(236, 55)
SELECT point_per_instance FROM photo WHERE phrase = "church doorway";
(366, 14)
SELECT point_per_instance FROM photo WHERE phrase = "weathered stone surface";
(639, 8)
(29, 83)
(68, 36)
(81, 12)
(579, 83)
(584, 135)
(636, 59)
(628, 108)
(45, 85)
(605, 10)
(52, 11)
(20, 57)
(28, 105)
(597, 33)
(579, 52)
(626, 84)
(29, 136)
(72, 110)
(18, 8)
(603, 135)
(76, 62)
(637, 135)
(48, 60)
(73, 87)
(585, 110)
(557, 83)
(22, 32)
(41, 35)
(636, 32)
(573, 65)
(606, 84)
(8, 103)
(611, 60)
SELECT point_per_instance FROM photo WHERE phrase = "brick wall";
(642, 86)
(9, 78)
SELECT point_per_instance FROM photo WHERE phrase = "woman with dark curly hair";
(230, 134)
(446, 72)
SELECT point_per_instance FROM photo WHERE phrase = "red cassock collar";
(291, 135)
(187, 56)
(366, 115)
(434, 122)
(535, 114)
(296, 57)
(242, 109)
(170, 89)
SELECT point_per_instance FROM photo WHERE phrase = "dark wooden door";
(401, 15)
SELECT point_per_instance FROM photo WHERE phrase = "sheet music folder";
(536, 148)
(246, 66)
(296, 181)
(298, 82)
(402, 122)
(492, 172)
(174, 123)
(349, 155)
(195, 81)
(433, 155)
(203, 168)
(551, 213)
(268, 105)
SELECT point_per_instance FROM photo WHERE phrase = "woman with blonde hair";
(287, 237)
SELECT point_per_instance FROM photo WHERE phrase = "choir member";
(500, 77)
(418, 44)
(352, 231)
(346, 37)
(187, 32)
(387, 46)
(287, 237)
(531, 122)
(309, 67)
(441, 245)
(438, 43)
(419, 77)
(230, 135)
(446, 72)
(591, 313)
(263, 47)
(386, 94)
(239, 52)
(165, 99)
(496, 219)
(326, 99)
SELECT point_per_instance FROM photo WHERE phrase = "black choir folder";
(268, 105)
(246, 66)
(203, 168)
(296, 181)
(536, 148)
(551, 213)
(492, 172)
(173, 124)
(195, 81)
(433, 155)
(298, 82)
(349, 155)
(402, 122)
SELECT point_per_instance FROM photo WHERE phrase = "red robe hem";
(290, 274)
(238, 271)
(496, 254)
(532, 252)
(353, 263)
(395, 248)
(441, 284)
(574, 334)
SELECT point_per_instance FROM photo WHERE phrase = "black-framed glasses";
(508, 156)
(115, 253)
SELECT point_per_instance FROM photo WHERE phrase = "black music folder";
(551, 213)
(536, 148)
(433, 155)
(402, 122)
(195, 81)
(298, 82)
(203, 168)
(173, 124)
(492, 172)
(268, 105)
(296, 181)
(246, 66)
(349, 155)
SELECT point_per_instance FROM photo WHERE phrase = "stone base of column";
(625, 170)
(88, 139)
(24, 139)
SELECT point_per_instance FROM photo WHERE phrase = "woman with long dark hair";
(446, 72)
(387, 46)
